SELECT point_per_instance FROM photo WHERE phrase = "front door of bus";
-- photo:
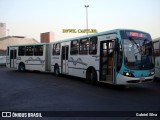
(13, 58)
(65, 59)
(107, 61)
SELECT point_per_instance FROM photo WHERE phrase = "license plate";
(142, 79)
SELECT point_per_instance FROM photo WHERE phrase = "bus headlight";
(151, 73)
(128, 74)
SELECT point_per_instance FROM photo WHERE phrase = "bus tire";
(21, 67)
(91, 76)
(56, 70)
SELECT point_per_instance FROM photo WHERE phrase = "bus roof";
(27, 44)
(80, 37)
(96, 34)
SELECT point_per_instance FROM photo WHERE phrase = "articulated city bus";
(156, 43)
(120, 56)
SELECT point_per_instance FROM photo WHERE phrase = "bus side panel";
(76, 68)
(33, 62)
(78, 64)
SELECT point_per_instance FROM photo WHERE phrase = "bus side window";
(56, 49)
(93, 45)
(74, 47)
(29, 50)
(38, 50)
(53, 49)
(21, 50)
(84, 46)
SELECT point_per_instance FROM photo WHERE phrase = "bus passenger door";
(13, 58)
(65, 59)
(107, 61)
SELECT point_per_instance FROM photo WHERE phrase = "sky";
(31, 17)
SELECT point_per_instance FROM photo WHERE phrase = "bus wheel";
(92, 77)
(56, 70)
(21, 67)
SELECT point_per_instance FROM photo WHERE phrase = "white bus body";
(77, 65)
(97, 57)
(17, 59)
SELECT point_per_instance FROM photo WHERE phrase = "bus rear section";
(28, 57)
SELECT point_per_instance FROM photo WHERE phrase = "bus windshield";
(138, 54)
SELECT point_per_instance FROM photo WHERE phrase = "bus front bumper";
(122, 80)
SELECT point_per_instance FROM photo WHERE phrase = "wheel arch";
(55, 67)
(89, 70)
(21, 63)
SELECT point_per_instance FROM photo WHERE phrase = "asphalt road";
(37, 91)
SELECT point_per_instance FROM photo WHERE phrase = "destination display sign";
(134, 34)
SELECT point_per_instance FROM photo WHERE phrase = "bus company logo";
(37, 59)
(6, 114)
(79, 60)
(79, 31)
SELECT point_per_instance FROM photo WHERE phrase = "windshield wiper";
(133, 41)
